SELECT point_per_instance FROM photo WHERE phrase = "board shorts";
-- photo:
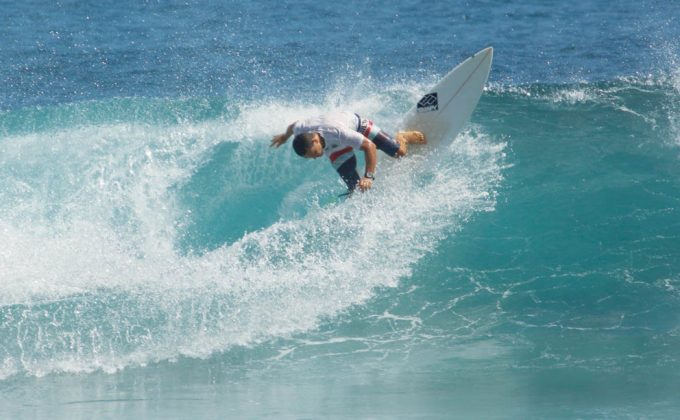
(383, 141)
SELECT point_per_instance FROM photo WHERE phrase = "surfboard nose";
(443, 110)
(487, 51)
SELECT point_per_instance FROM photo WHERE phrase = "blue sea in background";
(159, 260)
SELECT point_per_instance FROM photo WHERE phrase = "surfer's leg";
(348, 173)
(382, 140)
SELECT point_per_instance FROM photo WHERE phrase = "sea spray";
(102, 276)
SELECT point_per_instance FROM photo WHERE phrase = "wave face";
(137, 241)
(153, 246)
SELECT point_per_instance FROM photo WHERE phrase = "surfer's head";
(308, 145)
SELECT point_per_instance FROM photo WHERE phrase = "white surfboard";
(443, 111)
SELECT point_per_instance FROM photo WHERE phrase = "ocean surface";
(158, 260)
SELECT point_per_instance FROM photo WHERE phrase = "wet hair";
(302, 143)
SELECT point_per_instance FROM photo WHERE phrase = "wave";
(146, 230)
(650, 102)
(119, 256)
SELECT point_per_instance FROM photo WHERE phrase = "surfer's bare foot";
(403, 148)
(412, 137)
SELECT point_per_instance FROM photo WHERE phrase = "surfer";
(338, 135)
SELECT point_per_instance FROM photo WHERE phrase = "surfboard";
(443, 111)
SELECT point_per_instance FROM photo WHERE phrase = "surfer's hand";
(278, 140)
(365, 184)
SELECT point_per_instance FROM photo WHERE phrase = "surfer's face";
(316, 149)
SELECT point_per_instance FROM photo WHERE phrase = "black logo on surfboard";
(428, 103)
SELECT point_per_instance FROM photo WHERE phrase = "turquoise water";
(159, 260)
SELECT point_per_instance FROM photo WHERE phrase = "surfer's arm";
(280, 139)
(368, 147)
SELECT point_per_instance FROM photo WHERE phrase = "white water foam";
(675, 106)
(93, 278)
